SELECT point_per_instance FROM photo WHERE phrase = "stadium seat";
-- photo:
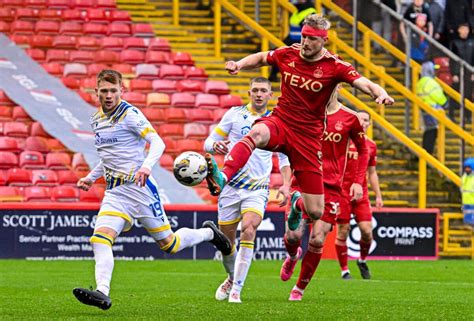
(58, 4)
(37, 194)
(154, 115)
(112, 43)
(44, 177)
(82, 4)
(5, 100)
(65, 42)
(19, 114)
(106, 4)
(38, 130)
(195, 73)
(276, 180)
(188, 85)
(4, 27)
(133, 43)
(217, 87)
(272, 197)
(87, 97)
(446, 77)
(275, 164)
(88, 43)
(93, 195)
(170, 71)
(31, 160)
(190, 145)
(207, 101)
(135, 98)
(6, 113)
(170, 144)
(57, 161)
(89, 84)
(94, 69)
(19, 27)
(22, 41)
(146, 71)
(73, 15)
(41, 41)
(124, 69)
(164, 85)
(442, 62)
(118, 29)
(8, 144)
(65, 194)
(3, 177)
(71, 83)
(47, 27)
(95, 29)
(132, 56)
(120, 16)
(227, 101)
(13, 3)
(18, 177)
(57, 55)
(8, 160)
(182, 58)
(159, 44)
(53, 68)
(166, 161)
(38, 4)
(106, 57)
(82, 56)
(142, 30)
(182, 100)
(26, 14)
(7, 15)
(195, 131)
(75, 70)
(67, 177)
(175, 115)
(202, 116)
(71, 28)
(16, 129)
(141, 85)
(158, 100)
(79, 163)
(38, 144)
(156, 57)
(51, 14)
(55, 145)
(96, 15)
(36, 54)
(10, 194)
(171, 130)
(217, 114)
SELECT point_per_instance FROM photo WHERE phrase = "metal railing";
(453, 248)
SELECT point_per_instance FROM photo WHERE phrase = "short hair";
(109, 75)
(317, 21)
(261, 80)
(364, 112)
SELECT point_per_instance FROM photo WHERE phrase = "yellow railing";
(453, 248)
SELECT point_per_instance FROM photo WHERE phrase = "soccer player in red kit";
(360, 208)
(342, 125)
(310, 74)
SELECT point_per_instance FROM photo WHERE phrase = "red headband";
(313, 32)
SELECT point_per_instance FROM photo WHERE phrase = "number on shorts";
(335, 208)
(156, 208)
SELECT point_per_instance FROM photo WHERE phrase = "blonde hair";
(317, 21)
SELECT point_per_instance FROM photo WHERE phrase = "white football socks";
(242, 265)
(104, 266)
(190, 237)
(229, 262)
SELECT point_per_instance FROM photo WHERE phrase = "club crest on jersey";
(318, 73)
(245, 130)
(339, 126)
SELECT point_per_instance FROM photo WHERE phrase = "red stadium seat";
(112, 43)
(18, 177)
(57, 161)
(185, 145)
(89, 83)
(106, 57)
(203, 116)
(164, 85)
(171, 130)
(118, 29)
(38, 130)
(182, 58)
(8, 160)
(19, 114)
(5, 100)
(95, 29)
(16, 129)
(276, 180)
(71, 28)
(188, 85)
(146, 71)
(42, 41)
(207, 101)
(135, 98)
(6, 113)
(8, 144)
(10, 194)
(55, 145)
(159, 44)
(19, 27)
(36, 54)
(44, 177)
(142, 85)
(70, 82)
(26, 14)
(79, 163)
(38, 144)
(154, 115)
(142, 30)
(158, 100)
(134, 43)
(170, 144)
(446, 77)
(217, 87)
(93, 195)
(106, 4)
(39, 4)
(64, 42)
(47, 27)
(120, 16)
(58, 4)
(4, 27)
(94, 69)
(166, 161)
(75, 70)
(96, 15)
(73, 16)
(82, 4)
(132, 56)
(31, 160)
(195, 131)
(7, 15)
(157, 57)
(57, 55)
(227, 101)
(182, 100)
(53, 68)
(171, 72)
(3, 177)
(87, 97)
(124, 69)
(67, 177)
(37, 194)
(195, 73)
(65, 194)
(14, 3)
(22, 41)
(51, 14)
(88, 43)
(175, 115)
(82, 56)
(442, 62)
(218, 114)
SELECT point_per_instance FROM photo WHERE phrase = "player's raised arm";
(252, 61)
(374, 90)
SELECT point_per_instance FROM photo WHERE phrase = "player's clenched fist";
(232, 67)
(384, 99)
(85, 183)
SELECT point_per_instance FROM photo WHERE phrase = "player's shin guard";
(292, 248)
(104, 260)
(364, 249)
(309, 265)
(242, 264)
(229, 262)
(341, 250)
(238, 156)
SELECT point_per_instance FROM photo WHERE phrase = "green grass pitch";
(184, 290)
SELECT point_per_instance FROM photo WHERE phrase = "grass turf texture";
(177, 290)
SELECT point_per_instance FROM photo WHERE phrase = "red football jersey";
(342, 127)
(353, 161)
(307, 86)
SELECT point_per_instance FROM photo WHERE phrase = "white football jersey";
(120, 142)
(235, 124)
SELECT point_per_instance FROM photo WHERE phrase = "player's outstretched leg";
(215, 179)
(289, 265)
(364, 270)
(93, 297)
(294, 217)
(220, 241)
(222, 292)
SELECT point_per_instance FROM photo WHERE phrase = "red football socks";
(341, 251)
(364, 249)
(309, 265)
(292, 248)
(238, 156)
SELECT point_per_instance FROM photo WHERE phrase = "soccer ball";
(190, 168)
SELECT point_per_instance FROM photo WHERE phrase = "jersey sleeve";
(346, 72)
(274, 56)
(222, 130)
(373, 155)
(137, 123)
(358, 138)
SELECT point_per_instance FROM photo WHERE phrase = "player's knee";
(248, 231)
(342, 231)
(366, 236)
(317, 240)
(314, 213)
(294, 236)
